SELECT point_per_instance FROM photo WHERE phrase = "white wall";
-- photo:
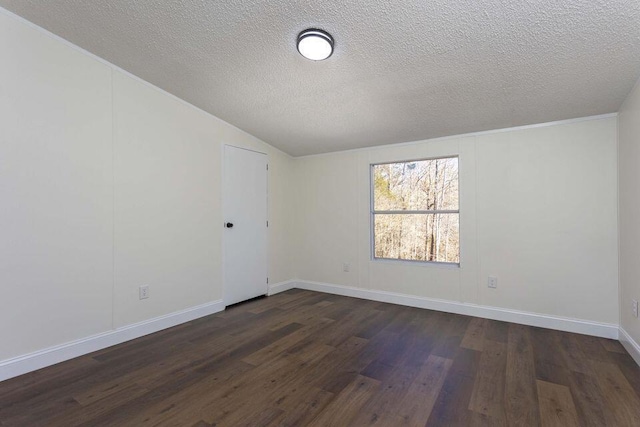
(107, 183)
(629, 199)
(56, 192)
(538, 210)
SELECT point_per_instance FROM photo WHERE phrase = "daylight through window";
(415, 210)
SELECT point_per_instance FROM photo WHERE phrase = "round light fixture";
(315, 44)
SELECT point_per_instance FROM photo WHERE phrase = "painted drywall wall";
(108, 183)
(538, 210)
(629, 208)
(167, 206)
(56, 192)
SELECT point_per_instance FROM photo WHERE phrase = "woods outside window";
(415, 210)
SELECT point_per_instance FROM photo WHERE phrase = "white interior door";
(245, 212)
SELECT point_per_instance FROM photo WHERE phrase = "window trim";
(373, 212)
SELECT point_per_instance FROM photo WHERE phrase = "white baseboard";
(605, 330)
(276, 288)
(630, 345)
(33, 361)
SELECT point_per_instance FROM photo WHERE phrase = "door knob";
(229, 225)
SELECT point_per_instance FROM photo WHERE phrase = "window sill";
(429, 264)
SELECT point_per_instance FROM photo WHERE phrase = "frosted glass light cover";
(315, 45)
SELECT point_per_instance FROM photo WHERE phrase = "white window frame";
(373, 213)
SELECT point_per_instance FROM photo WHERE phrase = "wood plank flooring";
(306, 358)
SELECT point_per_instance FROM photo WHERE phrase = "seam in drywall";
(468, 135)
(620, 305)
(461, 260)
(113, 205)
(128, 74)
(478, 272)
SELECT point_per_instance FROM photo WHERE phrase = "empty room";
(319, 213)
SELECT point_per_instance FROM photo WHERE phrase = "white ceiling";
(403, 70)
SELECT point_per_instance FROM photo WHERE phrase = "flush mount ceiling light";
(315, 44)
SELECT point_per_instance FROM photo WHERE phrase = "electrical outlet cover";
(493, 282)
(144, 292)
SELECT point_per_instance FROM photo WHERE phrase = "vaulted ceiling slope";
(402, 70)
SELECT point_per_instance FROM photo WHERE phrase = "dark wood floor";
(306, 358)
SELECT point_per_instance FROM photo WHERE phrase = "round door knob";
(229, 225)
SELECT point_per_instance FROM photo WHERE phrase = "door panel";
(245, 215)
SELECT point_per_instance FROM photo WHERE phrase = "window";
(415, 211)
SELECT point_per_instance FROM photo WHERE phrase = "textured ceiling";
(403, 70)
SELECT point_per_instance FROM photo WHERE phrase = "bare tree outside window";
(415, 210)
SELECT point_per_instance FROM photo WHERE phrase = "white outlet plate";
(144, 292)
(634, 307)
(346, 267)
(493, 282)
